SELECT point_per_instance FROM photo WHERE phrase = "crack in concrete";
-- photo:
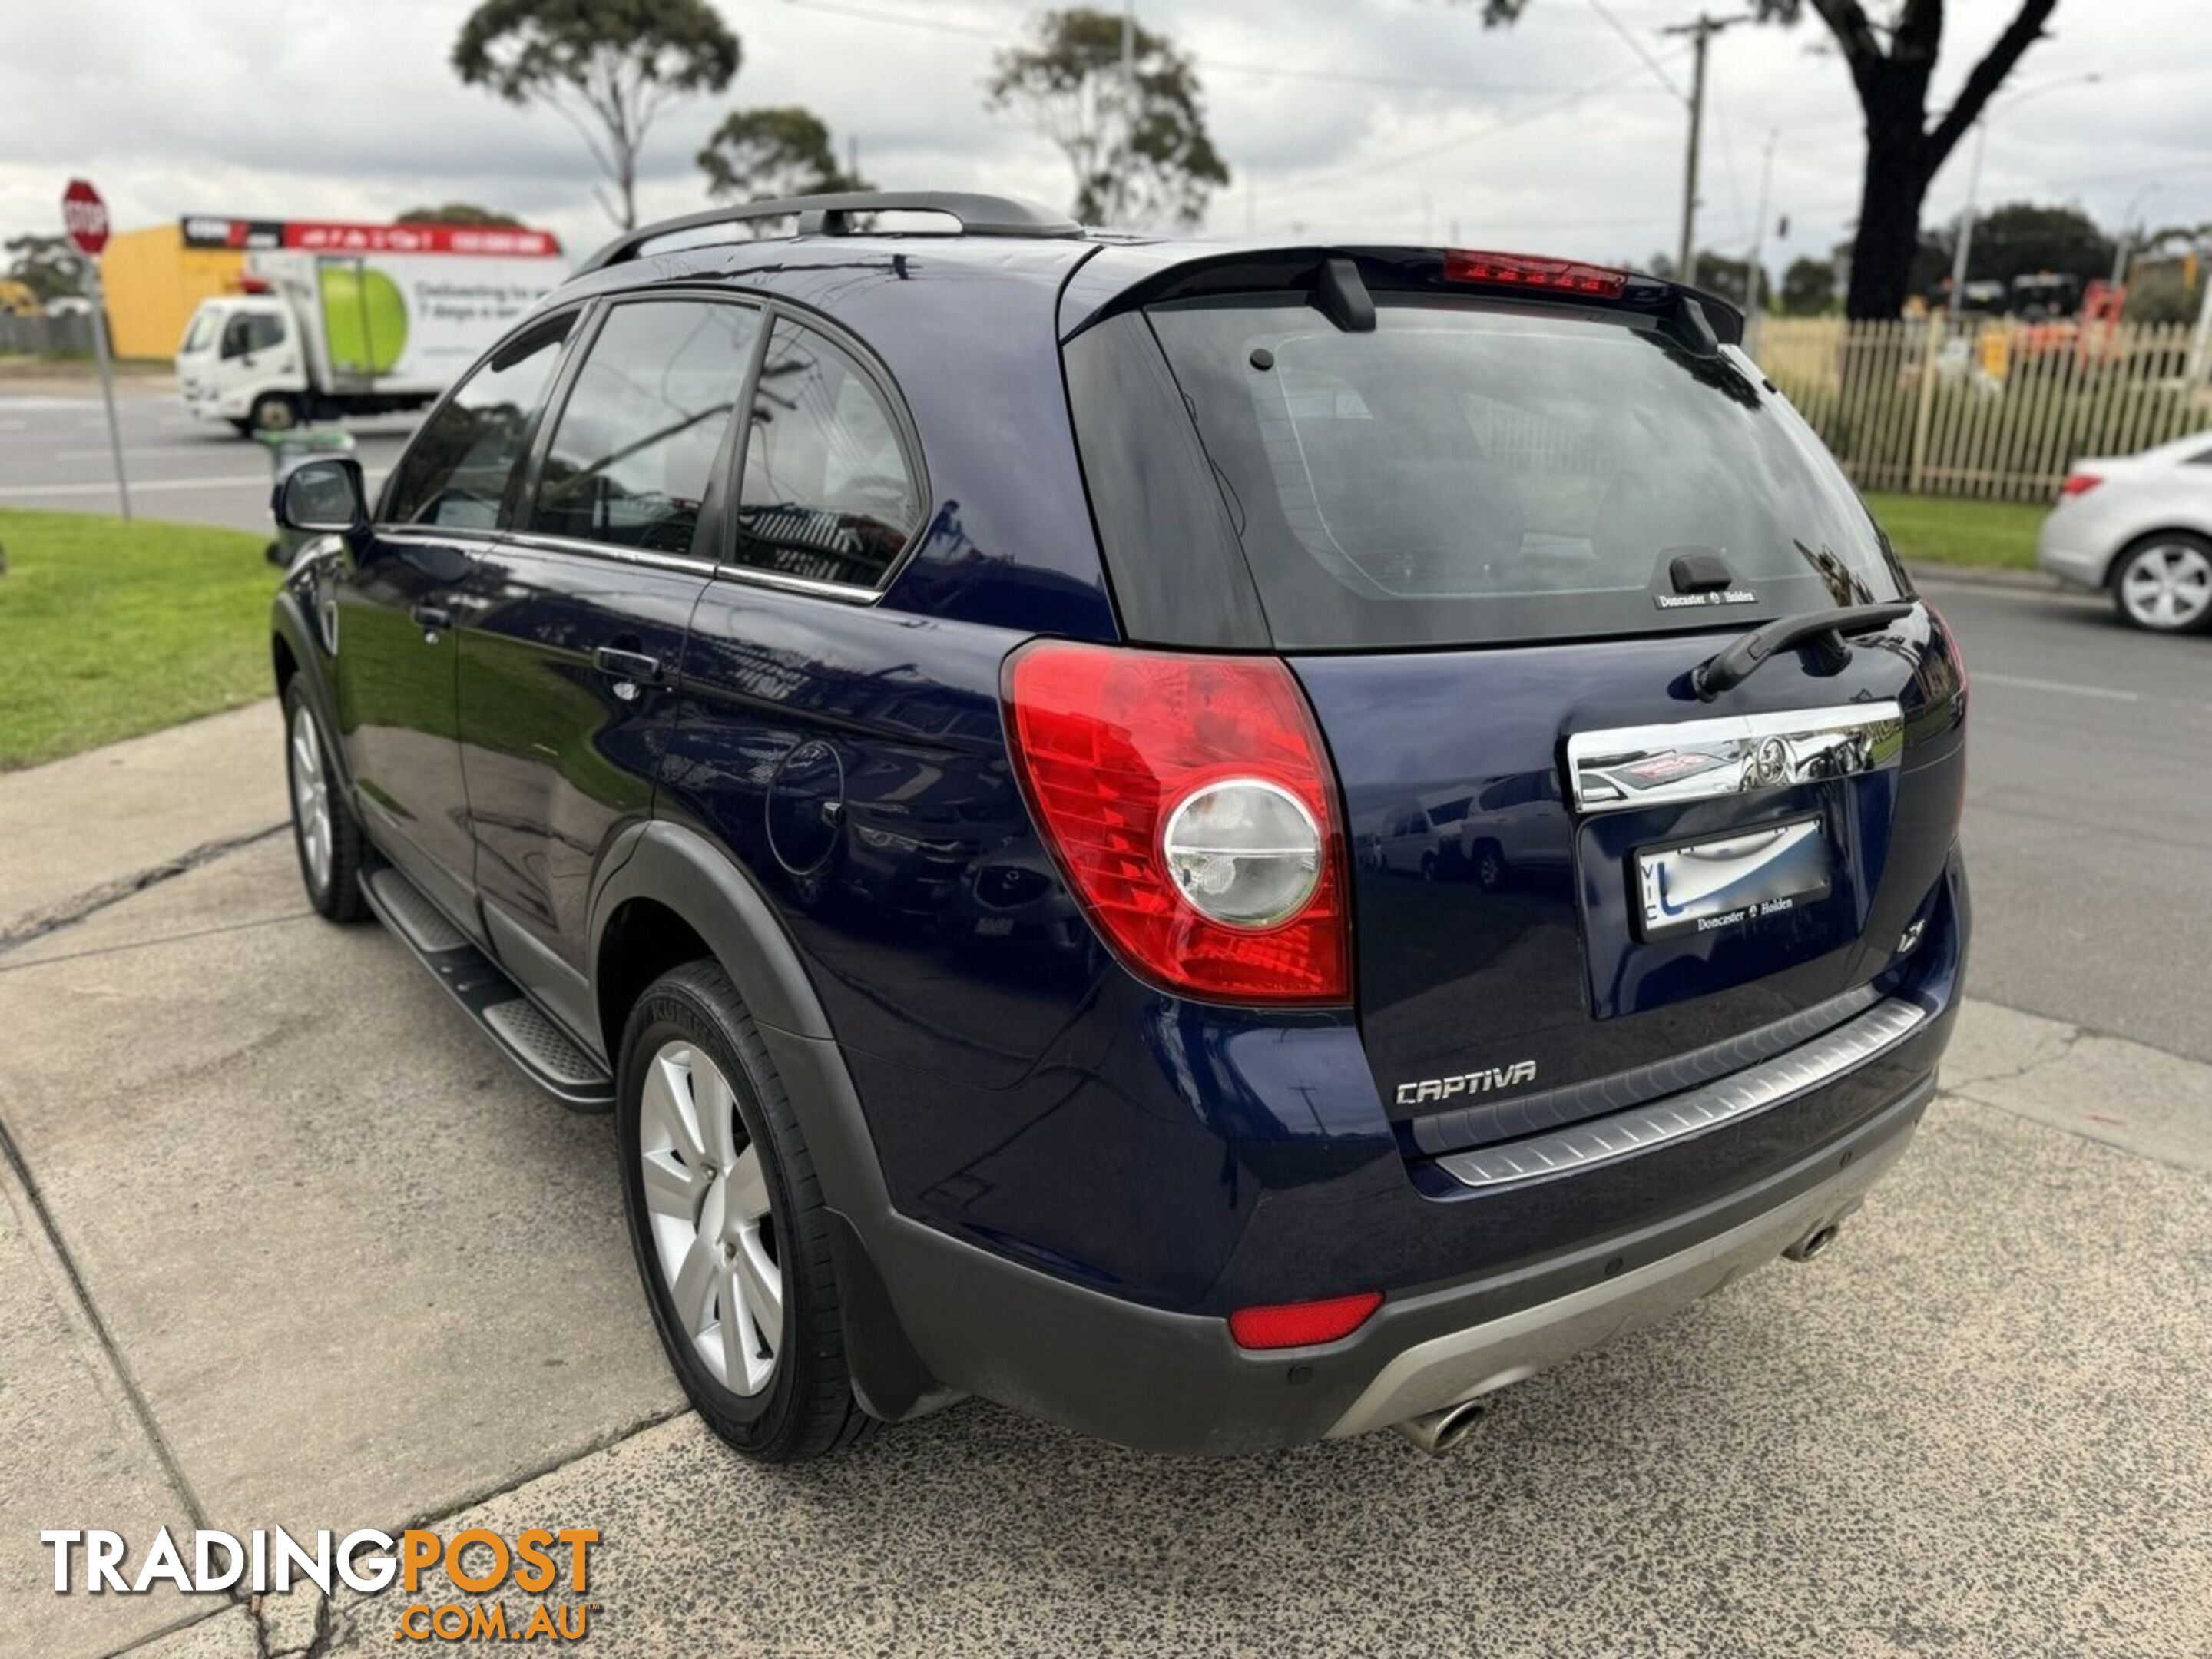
(159, 940)
(2074, 1034)
(36, 924)
(139, 1643)
(139, 1405)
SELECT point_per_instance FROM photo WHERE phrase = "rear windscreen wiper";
(1825, 631)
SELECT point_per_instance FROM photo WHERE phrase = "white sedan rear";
(2140, 526)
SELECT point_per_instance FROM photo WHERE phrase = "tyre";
(1489, 866)
(1428, 867)
(244, 428)
(727, 1220)
(323, 832)
(275, 411)
(2164, 584)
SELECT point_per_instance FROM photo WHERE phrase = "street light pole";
(1965, 239)
(1755, 280)
(2120, 243)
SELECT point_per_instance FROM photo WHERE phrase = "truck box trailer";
(358, 319)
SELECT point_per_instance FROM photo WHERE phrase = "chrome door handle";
(630, 671)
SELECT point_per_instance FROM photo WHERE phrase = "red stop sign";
(84, 216)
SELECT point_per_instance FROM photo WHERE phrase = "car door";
(574, 635)
(396, 603)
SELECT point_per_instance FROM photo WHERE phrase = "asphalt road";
(2088, 828)
(54, 454)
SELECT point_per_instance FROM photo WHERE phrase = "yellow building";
(155, 279)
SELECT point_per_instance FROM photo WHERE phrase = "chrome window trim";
(847, 592)
(1673, 1117)
(1746, 753)
(616, 554)
(431, 532)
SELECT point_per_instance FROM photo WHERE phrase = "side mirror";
(322, 497)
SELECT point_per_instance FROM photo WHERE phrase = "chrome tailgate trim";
(1642, 1128)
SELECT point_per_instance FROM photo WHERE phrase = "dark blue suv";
(1225, 844)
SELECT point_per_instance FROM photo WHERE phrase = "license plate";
(1712, 886)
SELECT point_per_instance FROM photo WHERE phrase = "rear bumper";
(1173, 1382)
(2072, 549)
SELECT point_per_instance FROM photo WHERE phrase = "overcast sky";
(1551, 137)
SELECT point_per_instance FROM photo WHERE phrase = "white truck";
(358, 319)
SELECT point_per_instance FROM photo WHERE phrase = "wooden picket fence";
(1993, 408)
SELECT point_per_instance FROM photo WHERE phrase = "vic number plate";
(1711, 886)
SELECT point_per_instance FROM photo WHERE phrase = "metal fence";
(1993, 408)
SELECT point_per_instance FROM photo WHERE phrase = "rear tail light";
(1530, 271)
(1190, 804)
(1299, 1324)
(2079, 484)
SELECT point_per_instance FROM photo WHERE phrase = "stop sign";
(85, 215)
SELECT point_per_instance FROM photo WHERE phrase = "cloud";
(188, 106)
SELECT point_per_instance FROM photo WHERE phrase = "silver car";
(2141, 527)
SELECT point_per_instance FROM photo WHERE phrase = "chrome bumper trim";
(1641, 1128)
(1468, 1363)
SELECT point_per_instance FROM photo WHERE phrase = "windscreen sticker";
(1696, 601)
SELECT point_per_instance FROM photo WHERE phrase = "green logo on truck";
(365, 316)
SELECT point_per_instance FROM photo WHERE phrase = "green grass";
(108, 629)
(1933, 530)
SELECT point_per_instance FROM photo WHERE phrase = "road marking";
(212, 446)
(136, 484)
(372, 475)
(1983, 677)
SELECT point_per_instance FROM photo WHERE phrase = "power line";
(1519, 118)
(1639, 49)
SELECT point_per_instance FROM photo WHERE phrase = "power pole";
(1701, 33)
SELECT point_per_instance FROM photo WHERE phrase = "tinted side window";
(827, 493)
(458, 470)
(636, 440)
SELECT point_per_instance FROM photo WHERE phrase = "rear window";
(1469, 474)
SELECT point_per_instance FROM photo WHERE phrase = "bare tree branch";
(1987, 76)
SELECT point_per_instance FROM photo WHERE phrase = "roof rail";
(831, 216)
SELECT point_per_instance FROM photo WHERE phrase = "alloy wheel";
(2168, 587)
(712, 1222)
(311, 799)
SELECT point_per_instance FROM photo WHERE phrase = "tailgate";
(1568, 884)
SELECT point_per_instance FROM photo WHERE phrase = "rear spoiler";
(1341, 280)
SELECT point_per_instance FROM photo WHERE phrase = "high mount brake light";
(1191, 805)
(1532, 270)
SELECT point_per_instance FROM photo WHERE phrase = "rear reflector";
(2079, 483)
(1301, 1324)
(1191, 805)
(1529, 270)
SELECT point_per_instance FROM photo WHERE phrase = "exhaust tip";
(1438, 1432)
(1813, 1243)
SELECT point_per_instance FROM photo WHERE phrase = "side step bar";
(540, 1049)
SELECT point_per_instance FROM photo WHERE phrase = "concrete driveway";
(286, 1243)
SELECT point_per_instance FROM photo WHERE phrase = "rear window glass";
(1467, 474)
